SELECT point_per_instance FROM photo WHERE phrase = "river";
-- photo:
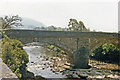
(38, 65)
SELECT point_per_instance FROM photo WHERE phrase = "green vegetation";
(50, 28)
(11, 51)
(56, 49)
(15, 56)
(74, 25)
(107, 53)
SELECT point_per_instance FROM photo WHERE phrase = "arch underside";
(73, 44)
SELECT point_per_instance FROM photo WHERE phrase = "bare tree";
(11, 20)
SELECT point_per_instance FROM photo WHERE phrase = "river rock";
(90, 73)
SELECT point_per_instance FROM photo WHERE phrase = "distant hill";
(29, 24)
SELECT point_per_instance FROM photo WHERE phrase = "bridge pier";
(81, 57)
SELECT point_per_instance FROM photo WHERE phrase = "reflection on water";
(39, 66)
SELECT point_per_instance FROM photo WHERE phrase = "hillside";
(29, 24)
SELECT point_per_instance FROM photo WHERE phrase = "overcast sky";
(101, 15)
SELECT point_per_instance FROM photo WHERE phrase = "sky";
(99, 15)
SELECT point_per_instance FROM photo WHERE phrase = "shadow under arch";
(108, 52)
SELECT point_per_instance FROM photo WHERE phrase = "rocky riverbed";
(90, 73)
(43, 63)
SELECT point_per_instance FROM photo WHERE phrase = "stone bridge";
(80, 44)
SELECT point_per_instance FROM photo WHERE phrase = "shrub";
(107, 52)
(14, 56)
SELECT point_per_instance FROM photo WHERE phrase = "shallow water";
(39, 66)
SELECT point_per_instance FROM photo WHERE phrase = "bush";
(14, 56)
(107, 52)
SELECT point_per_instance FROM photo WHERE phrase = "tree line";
(73, 24)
